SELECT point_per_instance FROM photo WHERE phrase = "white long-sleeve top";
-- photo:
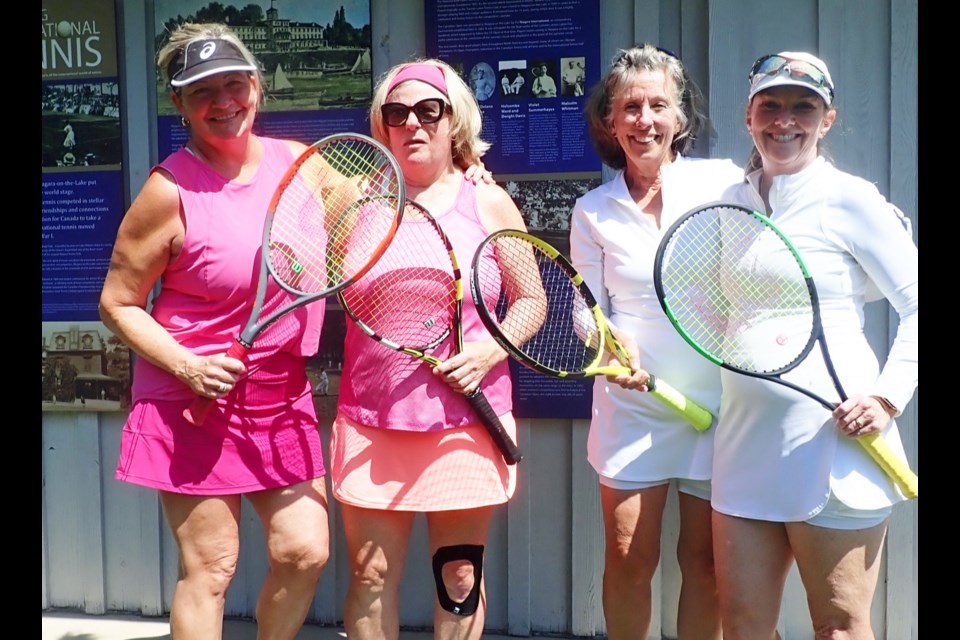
(778, 453)
(633, 436)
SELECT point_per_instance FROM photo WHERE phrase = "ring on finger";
(859, 422)
(224, 387)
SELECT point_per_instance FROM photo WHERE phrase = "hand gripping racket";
(562, 332)
(333, 214)
(739, 292)
(411, 301)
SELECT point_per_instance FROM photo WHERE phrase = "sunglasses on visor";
(427, 111)
(801, 70)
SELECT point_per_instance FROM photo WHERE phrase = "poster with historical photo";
(81, 151)
(314, 56)
(79, 101)
(84, 368)
(530, 64)
(81, 203)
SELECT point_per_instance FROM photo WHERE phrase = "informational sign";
(81, 181)
(531, 64)
(81, 203)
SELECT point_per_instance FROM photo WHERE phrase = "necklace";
(196, 153)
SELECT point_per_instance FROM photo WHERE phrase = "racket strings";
(737, 290)
(333, 216)
(558, 331)
(410, 296)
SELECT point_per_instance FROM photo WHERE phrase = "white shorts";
(836, 515)
(696, 488)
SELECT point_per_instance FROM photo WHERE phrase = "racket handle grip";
(490, 420)
(892, 464)
(696, 415)
(196, 413)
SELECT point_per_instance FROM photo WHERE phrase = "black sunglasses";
(428, 111)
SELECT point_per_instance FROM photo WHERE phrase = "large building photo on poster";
(314, 56)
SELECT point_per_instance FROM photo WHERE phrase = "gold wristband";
(887, 405)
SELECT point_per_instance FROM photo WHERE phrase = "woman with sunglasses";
(789, 481)
(405, 441)
(643, 117)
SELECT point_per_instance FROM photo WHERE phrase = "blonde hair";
(465, 120)
(193, 31)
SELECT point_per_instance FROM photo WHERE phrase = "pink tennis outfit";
(264, 433)
(402, 432)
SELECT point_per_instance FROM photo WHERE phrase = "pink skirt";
(397, 470)
(239, 448)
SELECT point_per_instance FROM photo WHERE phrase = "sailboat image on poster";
(362, 64)
(280, 86)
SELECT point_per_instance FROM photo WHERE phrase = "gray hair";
(688, 100)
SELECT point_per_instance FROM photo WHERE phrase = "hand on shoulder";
(477, 173)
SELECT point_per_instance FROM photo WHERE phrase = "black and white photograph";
(81, 124)
(544, 83)
(546, 206)
(83, 367)
(483, 81)
(573, 76)
(513, 79)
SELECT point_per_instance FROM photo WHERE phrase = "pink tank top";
(384, 388)
(206, 294)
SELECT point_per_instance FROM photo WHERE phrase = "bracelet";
(887, 405)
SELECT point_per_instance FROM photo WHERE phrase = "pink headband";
(429, 73)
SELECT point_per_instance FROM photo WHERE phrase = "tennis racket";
(562, 332)
(333, 214)
(411, 301)
(739, 292)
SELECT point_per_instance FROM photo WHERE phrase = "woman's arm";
(876, 238)
(586, 255)
(149, 238)
(890, 258)
(466, 370)
(497, 209)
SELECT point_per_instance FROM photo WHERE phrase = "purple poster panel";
(85, 368)
(81, 181)
(315, 57)
(531, 64)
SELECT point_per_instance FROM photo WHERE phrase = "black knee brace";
(471, 552)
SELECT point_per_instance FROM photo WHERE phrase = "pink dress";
(264, 434)
(403, 439)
